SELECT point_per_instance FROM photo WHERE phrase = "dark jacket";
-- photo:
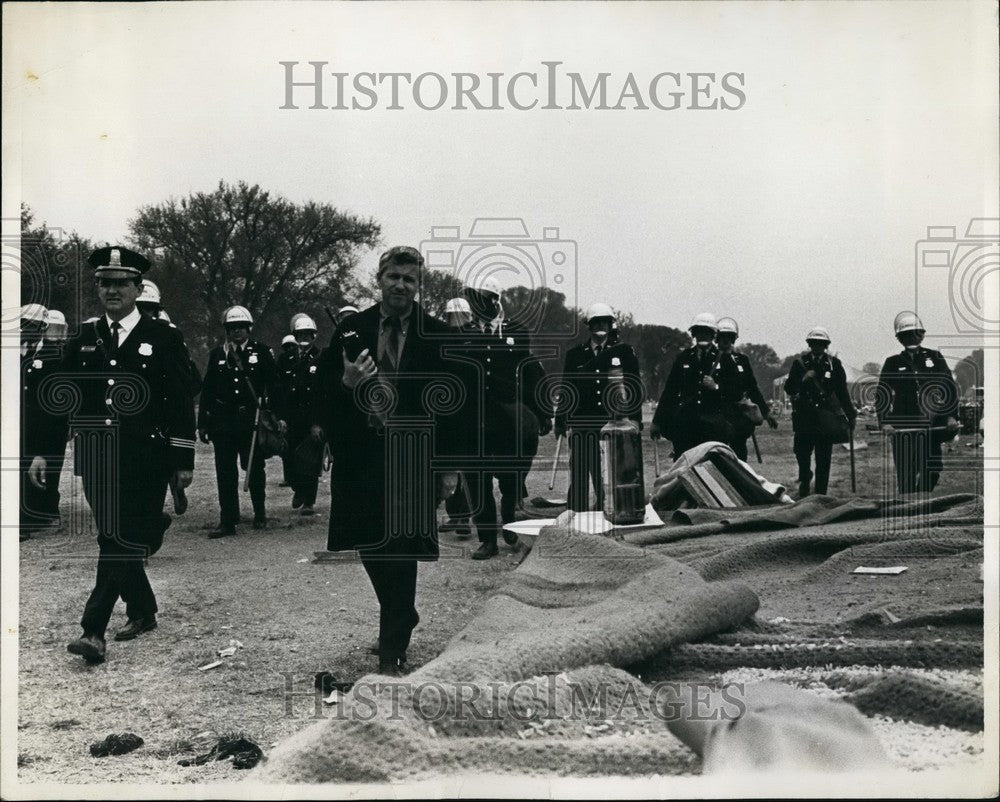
(42, 433)
(916, 391)
(827, 388)
(300, 382)
(383, 492)
(684, 399)
(737, 369)
(584, 397)
(142, 394)
(226, 404)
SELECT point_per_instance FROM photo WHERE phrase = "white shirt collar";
(126, 324)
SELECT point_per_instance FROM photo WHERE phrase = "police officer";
(301, 386)
(149, 304)
(286, 371)
(458, 314)
(56, 330)
(692, 407)
(42, 433)
(134, 434)
(736, 366)
(600, 382)
(513, 414)
(241, 374)
(816, 380)
(919, 408)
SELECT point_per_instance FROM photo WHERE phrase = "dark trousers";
(304, 484)
(228, 448)
(804, 444)
(395, 584)
(456, 505)
(510, 441)
(584, 468)
(917, 456)
(130, 524)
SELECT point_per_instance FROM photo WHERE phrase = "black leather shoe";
(90, 647)
(485, 551)
(392, 667)
(136, 627)
(509, 538)
(307, 510)
(260, 522)
(222, 531)
(296, 501)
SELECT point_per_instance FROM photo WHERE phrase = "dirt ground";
(289, 617)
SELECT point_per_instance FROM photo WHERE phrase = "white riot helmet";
(303, 322)
(727, 325)
(704, 320)
(457, 306)
(346, 311)
(599, 310)
(237, 316)
(907, 321)
(818, 333)
(486, 285)
(149, 294)
(34, 313)
(288, 339)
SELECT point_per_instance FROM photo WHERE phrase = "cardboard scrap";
(892, 570)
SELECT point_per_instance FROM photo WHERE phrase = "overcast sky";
(862, 125)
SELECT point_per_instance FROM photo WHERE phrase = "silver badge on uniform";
(929, 363)
(510, 341)
(145, 349)
(36, 364)
(253, 359)
(827, 374)
(312, 368)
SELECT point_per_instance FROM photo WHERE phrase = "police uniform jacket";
(141, 392)
(42, 433)
(916, 390)
(382, 490)
(586, 399)
(227, 405)
(301, 381)
(827, 388)
(740, 372)
(194, 375)
(684, 399)
(509, 373)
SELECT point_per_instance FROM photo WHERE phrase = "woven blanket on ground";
(578, 608)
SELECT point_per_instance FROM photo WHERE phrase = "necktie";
(113, 345)
(391, 355)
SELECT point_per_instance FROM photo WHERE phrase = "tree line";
(241, 244)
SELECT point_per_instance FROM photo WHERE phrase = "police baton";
(756, 448)
(854, 488)
(253, 447)
(555, 462)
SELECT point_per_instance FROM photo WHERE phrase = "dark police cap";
(114, 261)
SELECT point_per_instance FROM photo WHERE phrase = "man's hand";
(809, 374)
(709, 383)
(282, 426)
(772, 421)
(360, 369)
(183, 479)
(317, 434)
(654, 432)
(953, 426)
(203, 436)
(888, 428)
(36, 472)
(544, 426)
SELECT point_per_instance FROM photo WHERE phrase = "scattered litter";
(209, 666)
(120, 744)
(303, 560)
(227, 652)
(245, 754)
(890, 569)
(225, 626)
(236, 643)
(893, 619)
(778, 620)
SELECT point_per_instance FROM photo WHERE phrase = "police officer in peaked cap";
(240, 376)
(918, 407)
(133, 420)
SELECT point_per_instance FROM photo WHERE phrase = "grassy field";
(291, 618)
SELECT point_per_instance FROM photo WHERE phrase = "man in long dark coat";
(387, 404)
